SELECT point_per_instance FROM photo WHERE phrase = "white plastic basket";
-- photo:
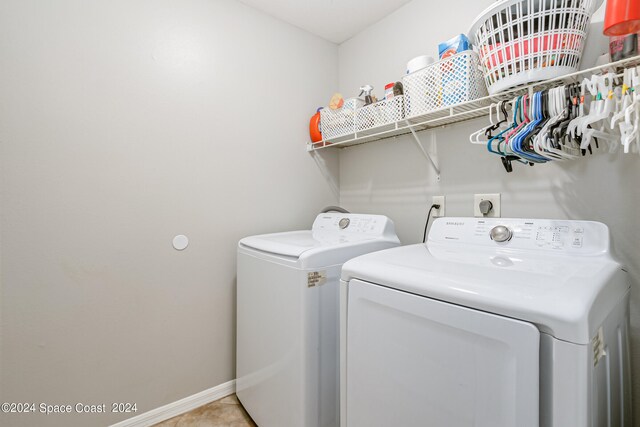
(447, 82)
(523, 41)
(375, 117)
(337, 123)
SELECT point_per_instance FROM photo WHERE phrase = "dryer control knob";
(501, 233)
(344, 223)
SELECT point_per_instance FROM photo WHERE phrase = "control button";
(577, 242)
(578, 230)
(500, 233)
(344, 223)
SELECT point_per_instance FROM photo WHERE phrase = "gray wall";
(123, 124)
(392, 177)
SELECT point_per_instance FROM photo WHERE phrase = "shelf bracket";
(434, 165)
(325, 169)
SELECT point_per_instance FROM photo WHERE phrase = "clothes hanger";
(564, 134)
(573, 127)
(500, 137)
(601, 108)
(475, 137)
(517, 143)
(522, 117)
(500, 107)
(631, 110)
(530, 142)
(501, 147)
(566, 122)
(555, 110)
(626, 95)
(563, 105)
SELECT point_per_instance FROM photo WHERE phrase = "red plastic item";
(622, 17)
(499, 53)
(314, 127)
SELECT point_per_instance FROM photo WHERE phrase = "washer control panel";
(353, 223)
(554, 235)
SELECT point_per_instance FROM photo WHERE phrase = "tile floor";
(226, 412)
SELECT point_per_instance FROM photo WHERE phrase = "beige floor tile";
(226, 412)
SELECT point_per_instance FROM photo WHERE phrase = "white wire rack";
(380, 116)
(450, 81)
(462, 112)
(335, 124)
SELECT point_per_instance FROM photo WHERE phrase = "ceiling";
(333, 20)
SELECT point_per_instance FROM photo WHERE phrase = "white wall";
(392, 177)
(123, 124)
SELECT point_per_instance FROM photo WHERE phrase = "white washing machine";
(288, 317)
(491, 323)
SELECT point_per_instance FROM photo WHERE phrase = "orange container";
(622, 17)
(314, 127)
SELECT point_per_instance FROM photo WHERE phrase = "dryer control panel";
(584, 237)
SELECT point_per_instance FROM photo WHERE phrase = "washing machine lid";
(292, 244)
(333, 239)
(558, 275)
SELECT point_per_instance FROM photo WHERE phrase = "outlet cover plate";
(495, 201)
(438, 200)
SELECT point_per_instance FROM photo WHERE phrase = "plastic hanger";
(563, 105)
(500, 107)
(521, 115)
(626, 95)
(530, 142)
(556, 111)
(573, 127)
(517, 143)
(601, 108)
(498, 145)
(631, 110)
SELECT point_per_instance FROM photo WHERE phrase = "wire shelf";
(463, 111)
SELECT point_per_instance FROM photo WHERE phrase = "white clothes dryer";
(491, 323)
(288, 317)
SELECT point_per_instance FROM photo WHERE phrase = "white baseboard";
(178, 407)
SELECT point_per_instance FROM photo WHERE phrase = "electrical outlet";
(495, 201)
(438, 200)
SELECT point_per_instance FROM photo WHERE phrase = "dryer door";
(414, 361)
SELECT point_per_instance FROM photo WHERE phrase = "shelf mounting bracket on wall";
(433, 162)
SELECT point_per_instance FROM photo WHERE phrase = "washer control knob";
(344, 223)
(501, 233)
